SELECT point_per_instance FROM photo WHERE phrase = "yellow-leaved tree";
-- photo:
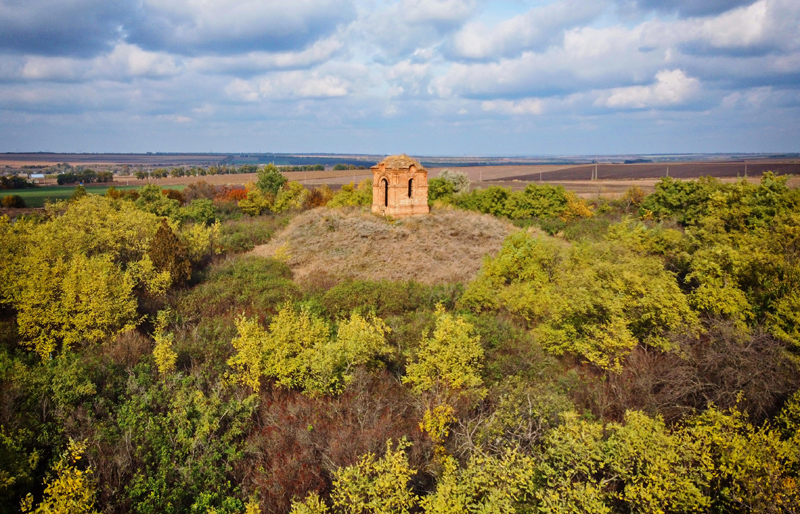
(447, 364)
(450, 359)
(164, 354)
(298, 351)
(76, 277)
(70, 489)
(373, 485)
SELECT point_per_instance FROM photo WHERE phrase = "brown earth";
(445, 246)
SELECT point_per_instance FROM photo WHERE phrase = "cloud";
(123, 62)
(235, 26)
(524, 106)
(534, 29)
(692, 7)
(671, 88)
(188, 27)
(288, 85)
(447, 12)
(255, 62)
(62, 27)
(458, 68)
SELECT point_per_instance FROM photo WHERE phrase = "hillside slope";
(444, 246)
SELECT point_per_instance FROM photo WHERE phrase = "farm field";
(37, 196)
(655, 170)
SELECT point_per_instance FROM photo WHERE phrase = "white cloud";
(671, 88)
(538, 27)
(124, 61)
(288, 85)
(524, 106)
(318, 53)
(737, 28)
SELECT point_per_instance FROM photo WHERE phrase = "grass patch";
(37, 196)
(244, 234)
(240, 284)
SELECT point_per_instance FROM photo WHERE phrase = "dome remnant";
(399, 187)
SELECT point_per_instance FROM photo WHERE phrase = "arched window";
(410, 183)
(385, 193)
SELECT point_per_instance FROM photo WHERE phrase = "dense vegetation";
(636, 355)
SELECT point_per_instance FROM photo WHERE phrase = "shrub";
(353, 196)
(199, 190)
(440, 189)
(173, 194)
(458, 179)
(318, 197)
(595, 300)
(168, 254)
(253, 285)
(201, 211)
(298, 352)
(13, 201)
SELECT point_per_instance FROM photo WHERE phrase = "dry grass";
(445, 246)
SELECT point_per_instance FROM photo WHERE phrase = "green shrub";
(13, 201)
(386, 298)
(241, 283)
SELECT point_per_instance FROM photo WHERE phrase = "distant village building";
(399, 187)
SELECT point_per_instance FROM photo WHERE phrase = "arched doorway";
(385, 193)
(410, 185)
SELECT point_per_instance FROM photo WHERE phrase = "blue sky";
(426, 77)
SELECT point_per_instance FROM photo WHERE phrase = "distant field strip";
(656, 170)
(37, 196)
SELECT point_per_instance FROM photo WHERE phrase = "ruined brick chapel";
(399, 187)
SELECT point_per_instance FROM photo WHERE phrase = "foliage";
(353, 196)
(200, 190)
(298, 352)
(13, 201)
(15, 182)
(82, 300)
(168, 254)
(536, 201)
(292, 196)
(201, 211)
(151, 200)
(173, 194)
(377, 486)
(270, 180)
(70, 491)
(459, 179)
(163, 353)
(72, 281)
(451, 359)
(186, 436)
(257, 202)
(318, 197)
(241, 283)
(440, 189)
(594, 300)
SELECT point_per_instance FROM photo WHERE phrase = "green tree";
(270, 180)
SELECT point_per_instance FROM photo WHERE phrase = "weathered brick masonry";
(399, 187)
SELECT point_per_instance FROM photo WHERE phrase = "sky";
(424, 77)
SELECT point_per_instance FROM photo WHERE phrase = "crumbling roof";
(399, 162)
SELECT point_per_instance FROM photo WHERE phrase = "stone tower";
(399, 187)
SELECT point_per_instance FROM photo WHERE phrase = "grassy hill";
(445, 246)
